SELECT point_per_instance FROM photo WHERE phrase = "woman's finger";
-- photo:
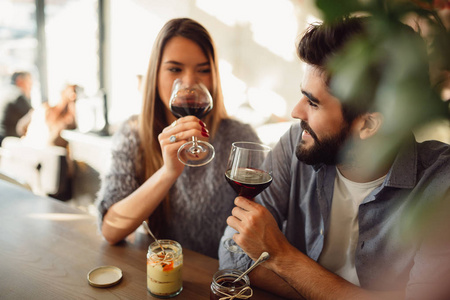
(185, 123)
(166, 139)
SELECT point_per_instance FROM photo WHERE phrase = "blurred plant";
(390, 66)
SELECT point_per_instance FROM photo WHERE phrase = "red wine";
(248, 182)
(228, 282)
(199, 110)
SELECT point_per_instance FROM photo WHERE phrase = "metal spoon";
(262, 258)
(151, 234)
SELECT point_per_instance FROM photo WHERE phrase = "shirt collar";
(403, 172)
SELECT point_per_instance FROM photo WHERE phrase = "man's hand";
(259, 232)
(257, 229)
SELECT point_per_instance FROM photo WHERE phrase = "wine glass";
(249, 172)
(192, 99)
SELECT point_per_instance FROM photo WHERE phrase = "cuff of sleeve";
(230, 260)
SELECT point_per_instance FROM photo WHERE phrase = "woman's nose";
(189, 78)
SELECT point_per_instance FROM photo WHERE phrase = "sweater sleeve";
(121, 179)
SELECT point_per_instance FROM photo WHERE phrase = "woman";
(146, 180)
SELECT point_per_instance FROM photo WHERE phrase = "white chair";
(43, 169)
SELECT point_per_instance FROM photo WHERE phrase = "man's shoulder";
(289, 140)
(434, 145)
(433, 163)
(432, 151)
(293, 134)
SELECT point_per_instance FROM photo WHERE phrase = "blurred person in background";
(47, 122)
(146, 181)
(15, 103)
(43, 130)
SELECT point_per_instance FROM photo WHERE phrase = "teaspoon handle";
(151, 234)
(262, 258)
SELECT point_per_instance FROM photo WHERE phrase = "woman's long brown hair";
(152, 119)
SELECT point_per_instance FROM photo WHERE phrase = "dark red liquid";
(228, 283)
(199, 110)
(248, 182)
(231, 287)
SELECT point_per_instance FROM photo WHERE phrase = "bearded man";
(332, 221)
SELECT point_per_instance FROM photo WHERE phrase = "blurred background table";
(47, 249)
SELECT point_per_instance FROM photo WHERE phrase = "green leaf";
(333, 9)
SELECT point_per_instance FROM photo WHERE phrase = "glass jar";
(164, 272)
(222, 285)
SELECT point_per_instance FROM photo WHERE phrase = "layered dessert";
(164, 271)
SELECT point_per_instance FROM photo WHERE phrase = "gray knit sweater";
(201, 199)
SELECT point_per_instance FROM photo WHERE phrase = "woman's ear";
(369, 124)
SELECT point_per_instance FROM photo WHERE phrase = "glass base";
(231, 246)
(198, 156)
(166, 296)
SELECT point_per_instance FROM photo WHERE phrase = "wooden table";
(47, 249)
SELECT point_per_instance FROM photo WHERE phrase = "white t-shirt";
(338, 255)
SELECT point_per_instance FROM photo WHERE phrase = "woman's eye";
(174, 70)
(205, 70)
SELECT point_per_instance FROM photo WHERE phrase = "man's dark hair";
(16, 75)
(322, 41)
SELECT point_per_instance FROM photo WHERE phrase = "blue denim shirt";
(300, 199)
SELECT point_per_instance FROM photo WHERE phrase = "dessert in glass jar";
(222, 285)
(164, 269)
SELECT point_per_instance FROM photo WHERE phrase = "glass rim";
(154, 245)
(234, 273)
(263, 147)
(197, 84)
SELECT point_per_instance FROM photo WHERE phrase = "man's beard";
(327, 151)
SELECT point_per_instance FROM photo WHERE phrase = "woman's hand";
(124, 216)
(175, 135)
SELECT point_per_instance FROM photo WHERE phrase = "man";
(15, 104)
(333, 223)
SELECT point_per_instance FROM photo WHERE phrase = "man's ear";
(369, 124)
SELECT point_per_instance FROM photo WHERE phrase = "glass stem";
(195, 148)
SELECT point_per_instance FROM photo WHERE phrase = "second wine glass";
(249, 172)
(192, 99)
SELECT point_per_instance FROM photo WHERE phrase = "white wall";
(255, 39)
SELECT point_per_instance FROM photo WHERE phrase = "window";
(18, 42)
(66, 52)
